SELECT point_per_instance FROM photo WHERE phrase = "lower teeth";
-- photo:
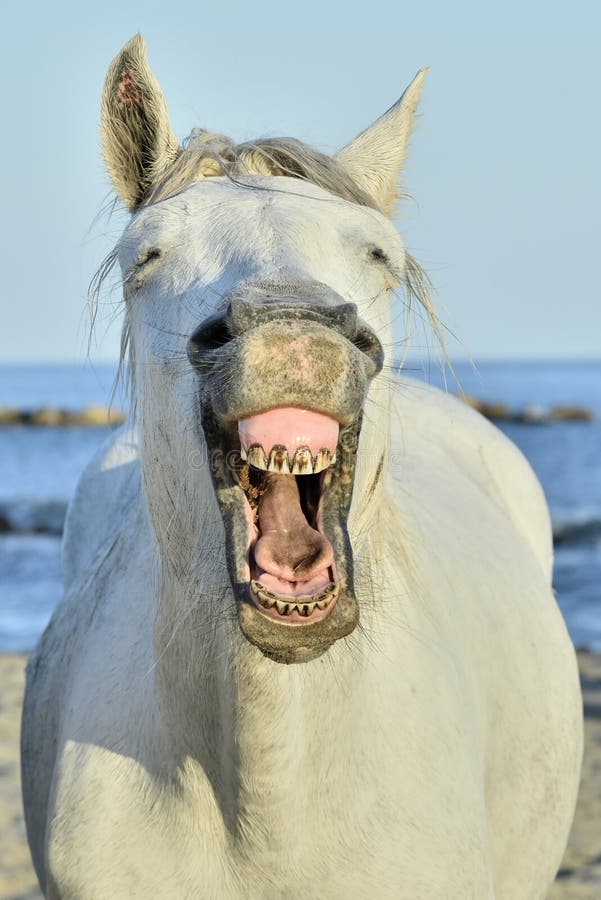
(284, 608)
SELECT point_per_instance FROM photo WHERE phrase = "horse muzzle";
(283, 379)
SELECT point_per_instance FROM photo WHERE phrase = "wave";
(577, 528)
(29, 516)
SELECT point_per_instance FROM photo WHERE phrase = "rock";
(530, 415)
(91, 416)
(46, 416)
(495, 410)
(568, 413)
(489, 410)
(98, 416)
(9, 416)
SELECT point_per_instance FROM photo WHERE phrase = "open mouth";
(284, 486)
(285, 454)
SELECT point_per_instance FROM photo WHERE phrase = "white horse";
(257, 685)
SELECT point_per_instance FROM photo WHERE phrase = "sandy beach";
(579, 877)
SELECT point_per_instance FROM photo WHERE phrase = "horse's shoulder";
(105, 490)
(436, 430)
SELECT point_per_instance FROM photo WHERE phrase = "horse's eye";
(147, 257)
(378, 254)
(142, 268)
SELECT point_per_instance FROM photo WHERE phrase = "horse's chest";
(375, 841)
(151, 866)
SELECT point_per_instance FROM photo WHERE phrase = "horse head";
(257, 285)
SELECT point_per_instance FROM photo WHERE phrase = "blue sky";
(504, 165)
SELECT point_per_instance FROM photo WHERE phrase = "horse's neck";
(265, 734)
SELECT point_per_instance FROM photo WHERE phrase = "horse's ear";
(137, 141)
(375, 158)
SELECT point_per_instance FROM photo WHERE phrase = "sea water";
(39, 468)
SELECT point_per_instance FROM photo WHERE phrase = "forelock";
(205, 155)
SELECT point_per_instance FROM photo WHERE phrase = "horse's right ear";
(375, 158)
(137, 141)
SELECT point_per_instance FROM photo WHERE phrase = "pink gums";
(292, 427)
(292, 590)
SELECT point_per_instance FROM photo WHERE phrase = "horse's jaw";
(288, 623)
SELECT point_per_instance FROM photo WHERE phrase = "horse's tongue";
(294, 558)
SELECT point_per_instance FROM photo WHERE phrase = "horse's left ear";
(137, 141)
(375, 158)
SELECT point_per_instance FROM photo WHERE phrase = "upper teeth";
(279, 460)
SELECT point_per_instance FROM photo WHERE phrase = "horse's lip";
(275, 638)
(296, 644)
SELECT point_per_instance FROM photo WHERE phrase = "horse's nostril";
(213, 334)
(243, 315)
(366, 341)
